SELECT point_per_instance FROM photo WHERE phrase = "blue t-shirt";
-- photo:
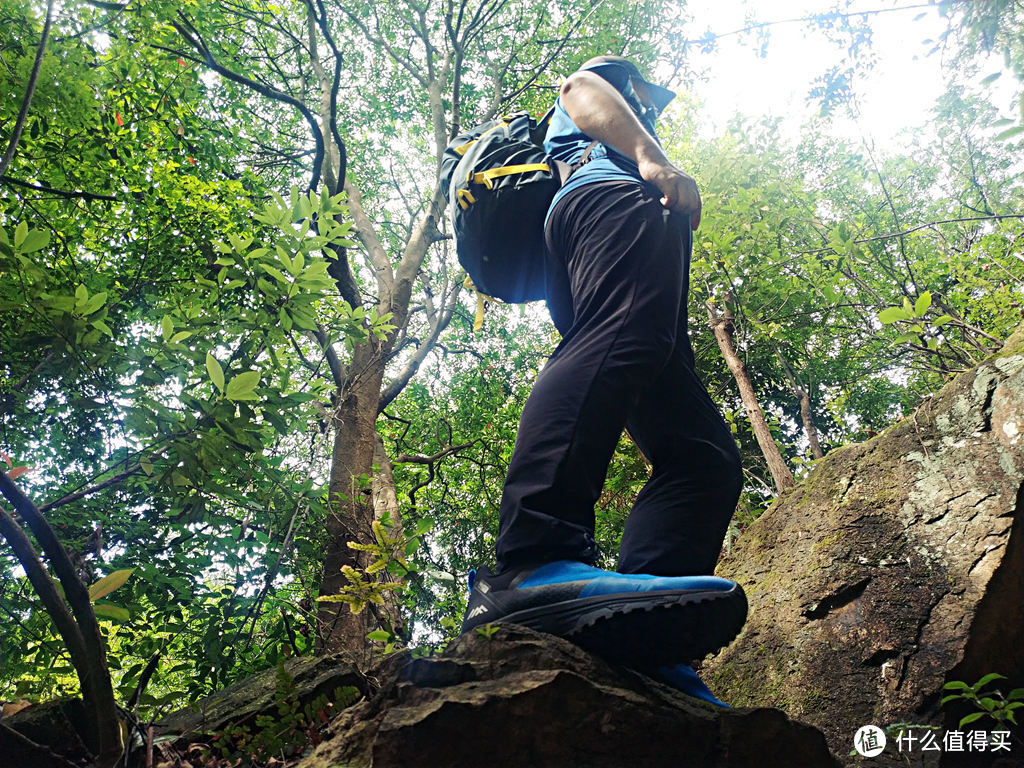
(566, 142)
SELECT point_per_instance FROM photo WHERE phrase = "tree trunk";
(723, 328)
(350, 504)
(806, 415)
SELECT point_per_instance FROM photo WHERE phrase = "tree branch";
(83, 636)
(371, 242)
(395, 387)
(19, 122)
(60, 192)
(890, 235)
(71, 497)
(192, 37)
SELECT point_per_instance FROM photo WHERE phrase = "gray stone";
(521, 698)
(895, 567)
(240, 704)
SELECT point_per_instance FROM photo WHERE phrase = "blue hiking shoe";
(684, 679)
(630, 619)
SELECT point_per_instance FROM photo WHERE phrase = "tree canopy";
(238, 371)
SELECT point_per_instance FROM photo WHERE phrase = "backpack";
(499, 183)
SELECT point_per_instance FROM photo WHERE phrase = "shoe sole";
(652, 628)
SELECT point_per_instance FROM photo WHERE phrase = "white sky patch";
(896, 95)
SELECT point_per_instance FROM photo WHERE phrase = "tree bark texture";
(724, 326)
(806, 414)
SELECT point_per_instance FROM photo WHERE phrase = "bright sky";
(895, 96)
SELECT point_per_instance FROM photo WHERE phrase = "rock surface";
(521, 698)
(895, 567)
(241, 703)
(47, 735)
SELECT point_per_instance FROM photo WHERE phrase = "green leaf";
(94, 303)
(303, 319)
(109, 583)
(215, 371)
(379, 635)
(991, 78)
(923, 302)
(20, 233)
(179, 337)
(275, 273)
(941, 320)
(892, 314)
(988, 679)
(108, 611)
(103, 327)
(956, 685)
(1009, 134)
(242, 385)
(971, 718)
(81, 294)
(336, 599)
(166, 327)
(35, 240)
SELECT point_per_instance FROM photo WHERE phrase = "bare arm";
(602, 113)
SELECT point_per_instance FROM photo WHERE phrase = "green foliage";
(487, 631)
(991, 704)
(286, 735)
(385, 573)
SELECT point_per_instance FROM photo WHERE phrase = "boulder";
(240, 704)
(896, 566)
(522, 698)
(47, 735)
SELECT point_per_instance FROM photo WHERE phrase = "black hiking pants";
(618, 275)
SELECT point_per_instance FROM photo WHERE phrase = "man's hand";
(678, 189)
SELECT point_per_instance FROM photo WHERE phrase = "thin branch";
(52, 758)
(398, 384)
(19, 122)
(399, 58)
(193, 38)
(407, 458)
(554, 54)
(71, 497)
(59, 192)
(890, 235)
(826, 15)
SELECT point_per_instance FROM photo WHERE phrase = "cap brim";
(661, 96)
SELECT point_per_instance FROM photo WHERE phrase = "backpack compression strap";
(485, 177)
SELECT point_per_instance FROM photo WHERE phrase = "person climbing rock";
(618, 239)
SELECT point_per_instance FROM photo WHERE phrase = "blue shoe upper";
(600, 582)
(683, 678)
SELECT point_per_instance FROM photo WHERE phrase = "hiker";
(618, 239)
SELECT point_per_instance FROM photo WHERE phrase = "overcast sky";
(896, 95)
